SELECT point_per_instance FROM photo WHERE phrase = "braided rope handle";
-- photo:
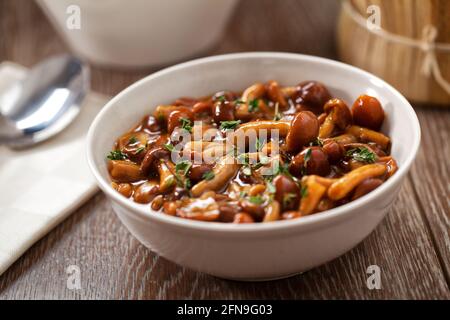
(430, 66)
(428, 44)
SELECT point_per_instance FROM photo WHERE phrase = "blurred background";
(125, 43)
(253, 25)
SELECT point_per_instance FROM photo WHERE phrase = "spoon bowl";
(44, 103)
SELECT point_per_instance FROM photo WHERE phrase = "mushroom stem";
(223, 172)
(253, 92)
(312, 196)
(342, 187)
(124, 171)
(272, 212)
(365, 134)
(252, 129)
(166, 177)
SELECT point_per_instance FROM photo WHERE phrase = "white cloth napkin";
(41, 186)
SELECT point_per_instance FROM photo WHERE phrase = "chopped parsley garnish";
(132, 140)
(139, 150)
(238, 102)
(280, 168)
(256, 199)
(117, 155)
(361, 154)
(288, 199)
(186, 124)
(221, 98)
(317, 142)
(183, 166)
(253, 105)
(258, 145)
(307, 157)
(169, 147)
(181, 169)
(209, 175)
(182, 183)
(228, 125)
(304, 191)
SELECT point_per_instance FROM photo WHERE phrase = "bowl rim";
(282, 225)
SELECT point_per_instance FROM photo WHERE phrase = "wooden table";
(411, 246)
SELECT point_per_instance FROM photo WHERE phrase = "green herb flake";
(208, 175)
(186, 124)
(182, 181)
(238, 102)
(361, 154)
(304, 191)
(221, 98)
(256, 199)
(317, 142)
(307, 156)
(132, 140)
(117, 155)
(281, 168)
(288, 199)
(258, 145)
(306, 159)
(253, 105)
(229, 125)
(183, 166)
(169, 147)
(139, 150)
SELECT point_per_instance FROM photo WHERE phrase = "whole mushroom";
(338, 116)
(312, 94)
(304, 129)
(367, 112)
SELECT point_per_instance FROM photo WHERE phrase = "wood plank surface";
(411, 246)
(432, 176)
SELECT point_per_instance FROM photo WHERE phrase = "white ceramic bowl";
(256, 251)
(137, 33)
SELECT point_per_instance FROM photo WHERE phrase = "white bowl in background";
(258, 251)
(137, 33)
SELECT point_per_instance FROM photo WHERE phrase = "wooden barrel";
(398, 50)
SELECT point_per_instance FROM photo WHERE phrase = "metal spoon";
(44, 103)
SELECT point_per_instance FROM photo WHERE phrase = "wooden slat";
(115, 265)
(431, 176)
